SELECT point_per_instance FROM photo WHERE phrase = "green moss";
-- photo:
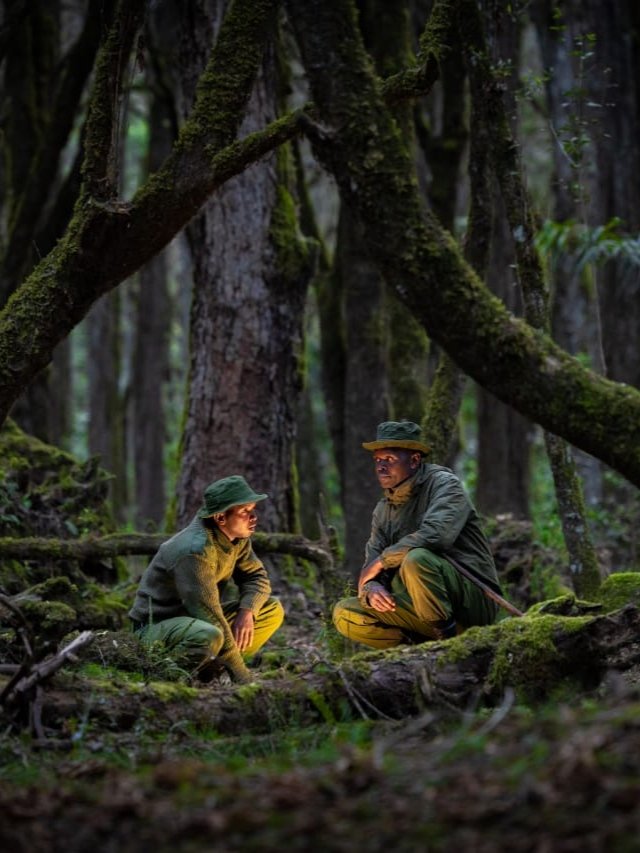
(172, 691)
(322, 706)
(524, 652)
(619, 589)
(52, 617)
(527, 656)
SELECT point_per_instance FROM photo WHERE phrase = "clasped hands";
(378, 597)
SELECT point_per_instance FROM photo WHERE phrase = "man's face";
(238, 522)
(394, 465)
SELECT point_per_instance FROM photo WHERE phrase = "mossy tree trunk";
(575, 318)
(42, 86)
(107, 240)
(251, 271)
(508, 171)
(386, 348)
(518, 364)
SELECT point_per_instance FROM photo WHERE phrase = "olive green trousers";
(202, 639)
(433, 601)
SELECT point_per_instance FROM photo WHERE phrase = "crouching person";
(178, 601)
(408, 590)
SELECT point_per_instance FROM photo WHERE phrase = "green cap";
(228, 492)
(398, 434)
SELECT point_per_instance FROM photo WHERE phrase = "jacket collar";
(402, 492)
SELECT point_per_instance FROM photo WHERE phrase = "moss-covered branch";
(58, 123)
(533, 656)
(123, 544)
(107, 241)
(359, 143)
(102, 132)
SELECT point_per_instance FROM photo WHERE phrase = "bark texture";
(508, 171)
(251, 269)
(153, 310)
(503, 434)
(108, 241)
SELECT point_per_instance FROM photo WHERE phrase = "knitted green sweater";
(188, 575)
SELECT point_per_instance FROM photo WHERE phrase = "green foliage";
(586, 246)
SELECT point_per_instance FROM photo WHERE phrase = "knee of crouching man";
(416, 559)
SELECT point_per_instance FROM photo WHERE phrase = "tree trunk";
(251, 271)
(106, 409)
(503, 434)
(508, 171)
(575, 319)
(366, 388)
(108, 240)
(151, 358)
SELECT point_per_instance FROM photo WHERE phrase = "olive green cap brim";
(247, 499)
(407, 444)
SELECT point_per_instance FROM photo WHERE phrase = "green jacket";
(189, 572)
(430, 510)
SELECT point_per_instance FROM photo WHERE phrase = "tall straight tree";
(385, 349)
(251, 270)
(503, 434)
(153, 316)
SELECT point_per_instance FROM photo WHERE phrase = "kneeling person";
(178, 601)
(408, 590)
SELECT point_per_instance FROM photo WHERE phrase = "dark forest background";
(234, 237)
(263, 340)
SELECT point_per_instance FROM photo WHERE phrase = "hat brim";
(396, 442)
(203, 512)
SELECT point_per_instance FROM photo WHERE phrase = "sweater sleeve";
(441, 524)
(197, 587)
(252, 579)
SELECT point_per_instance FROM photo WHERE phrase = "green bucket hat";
(398, 434)
(228, 492)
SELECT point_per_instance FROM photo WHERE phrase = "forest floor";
(151, 775)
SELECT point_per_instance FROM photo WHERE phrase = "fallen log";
(128, 544)
(532, 656)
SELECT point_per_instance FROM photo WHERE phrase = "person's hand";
(369, 572)
(243, 626)
(379, 598)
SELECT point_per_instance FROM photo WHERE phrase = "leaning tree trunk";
(593, 96)
(28, 84)
(507, 168)
(251, 270)
(575, 310)
(42, 88)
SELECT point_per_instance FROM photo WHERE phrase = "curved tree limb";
(359, 144)
(72, 77)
